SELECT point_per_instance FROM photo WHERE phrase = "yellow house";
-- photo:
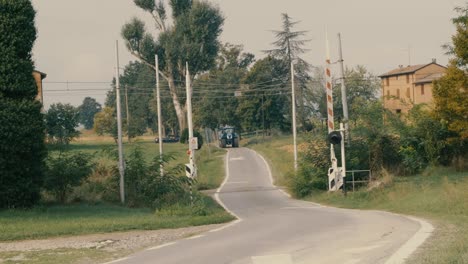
(406, 86)
(38, 77)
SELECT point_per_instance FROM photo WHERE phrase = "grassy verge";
(48, 221)
(210, 163)
(61, 256)
(279, 154)
(54, 221)
(439, 195)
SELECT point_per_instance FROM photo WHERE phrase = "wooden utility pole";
(119, 130)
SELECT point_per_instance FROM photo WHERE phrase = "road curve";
(273, 228)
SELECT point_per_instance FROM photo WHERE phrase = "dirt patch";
(110, 241)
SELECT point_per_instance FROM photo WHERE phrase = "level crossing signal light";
(334, 137)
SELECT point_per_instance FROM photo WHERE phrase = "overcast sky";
(76, 39)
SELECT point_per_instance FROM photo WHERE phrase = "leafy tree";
(216, 102)
(61, 123)
(137, 85)
(451, 100)
(105, 122)
(192, 38)
(87, 110)
(289, 47)
(263, 102)
(22, 148)
(65, 171)
(451, 91)
(361, 86)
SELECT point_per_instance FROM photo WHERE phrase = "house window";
(387, 79)
(398, 111)
(407, 78)
(422, 89)
(408, 92)
(398, 93)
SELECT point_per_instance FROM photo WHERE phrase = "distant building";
(407, 86)
(39, 76)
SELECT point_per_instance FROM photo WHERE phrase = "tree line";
(230, 86)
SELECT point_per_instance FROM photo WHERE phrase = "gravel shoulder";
(131, 240)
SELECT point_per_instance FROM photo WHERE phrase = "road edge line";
(270, 174)
(216, 195)
(411, 245)
(405, 251)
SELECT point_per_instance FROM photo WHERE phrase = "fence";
(358, 177)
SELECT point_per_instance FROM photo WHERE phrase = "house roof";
(429, 78)
(406, 70)
(43, 75)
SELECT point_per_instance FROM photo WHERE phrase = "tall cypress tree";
(22, 148)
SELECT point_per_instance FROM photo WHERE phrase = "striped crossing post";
(333, 171)
(329, 87)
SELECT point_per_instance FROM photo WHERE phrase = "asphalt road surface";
(274, 229)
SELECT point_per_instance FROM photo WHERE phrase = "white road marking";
(117, 260)
(194, 237)
(285, 193)
(411, 245)
(239, 182)
(226, 226)
(236, 159)
(273, 259)
(161, 246)
(216, 196)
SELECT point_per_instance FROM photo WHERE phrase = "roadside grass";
(439, 195)
(61, 256)
(49, 220)
(278, 152)
(210, 163)
(70, 220)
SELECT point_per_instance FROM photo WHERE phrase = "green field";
(67, 220)
(51, 220)
(439, 195)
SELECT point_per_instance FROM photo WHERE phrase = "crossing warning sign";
(193, 143)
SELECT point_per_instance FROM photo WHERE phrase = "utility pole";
(293, 99)
(119, 129)
(128, 113)
(192, 167)
(189, 119)
(344, 99)
(158, 102)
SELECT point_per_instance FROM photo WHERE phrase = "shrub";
(412, 161)
(65, 171)
(312, 173)
(307, 179)
(145, 186)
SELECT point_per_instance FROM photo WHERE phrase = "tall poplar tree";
(22, 148)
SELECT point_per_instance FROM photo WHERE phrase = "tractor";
(228, 137)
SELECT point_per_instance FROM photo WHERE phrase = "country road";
(272, 228)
